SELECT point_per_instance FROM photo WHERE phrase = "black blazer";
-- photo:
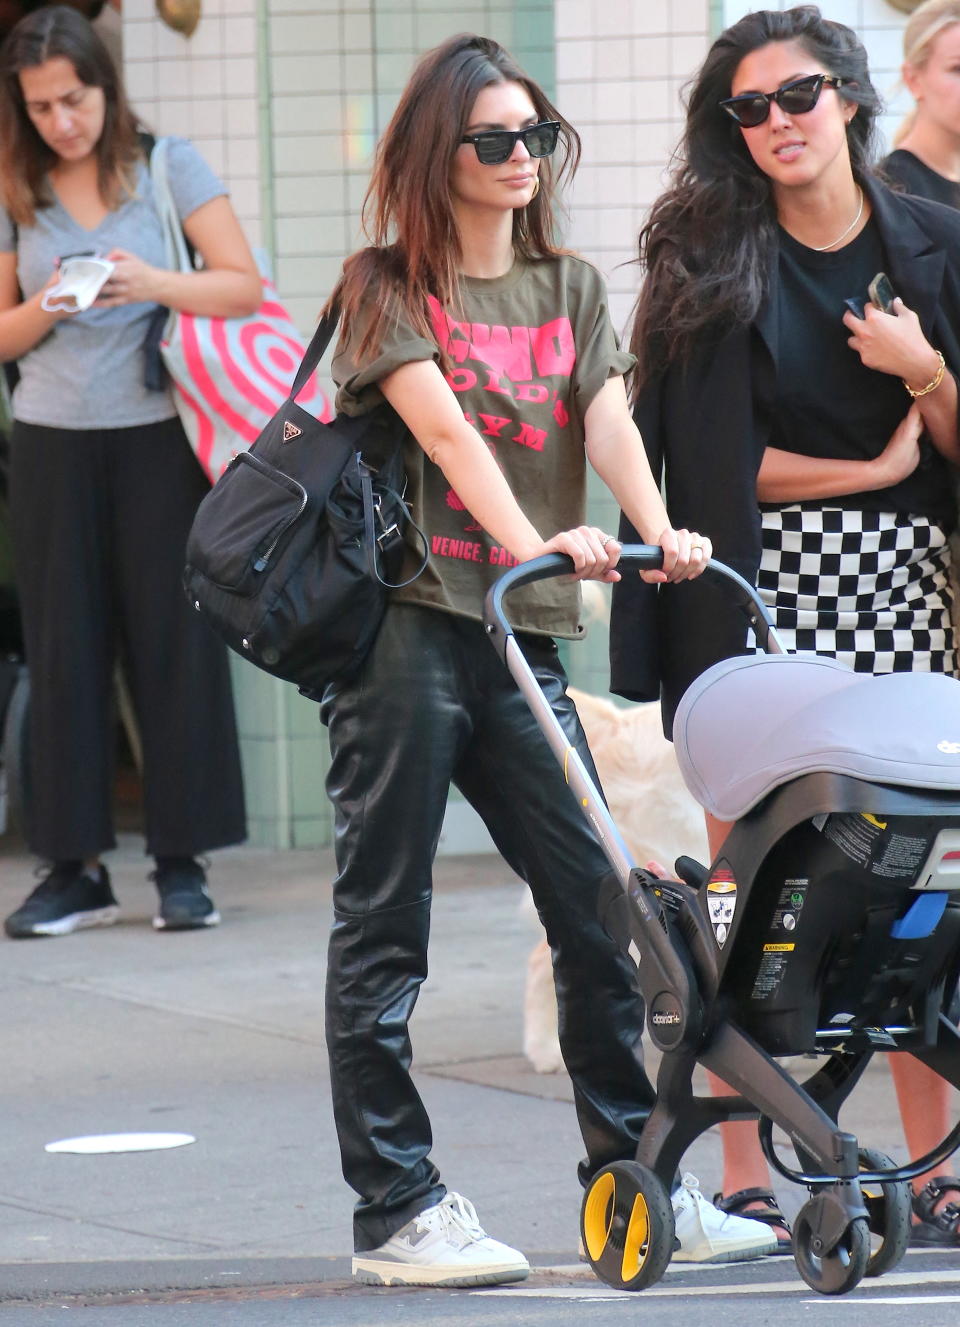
(706, 425)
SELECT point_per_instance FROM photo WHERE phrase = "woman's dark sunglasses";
(796, 98)
(495, 146)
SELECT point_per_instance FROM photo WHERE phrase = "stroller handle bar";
(642, 557)
(639, 557)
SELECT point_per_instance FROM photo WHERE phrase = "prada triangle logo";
(290, 431)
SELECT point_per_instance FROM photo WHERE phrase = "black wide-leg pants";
(434, 705)
(99, 525)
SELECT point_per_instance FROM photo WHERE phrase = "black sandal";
(739, 1204)
(936, 1229)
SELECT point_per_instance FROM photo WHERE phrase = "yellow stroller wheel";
(626, 1222)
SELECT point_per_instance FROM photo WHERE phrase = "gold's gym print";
(521, 368)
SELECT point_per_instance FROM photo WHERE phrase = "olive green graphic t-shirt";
(530, 350)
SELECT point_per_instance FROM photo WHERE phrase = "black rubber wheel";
(889, 1214)
(839, 1270)
(626, 1222)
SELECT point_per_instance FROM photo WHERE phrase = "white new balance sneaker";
(708, 1235)
(442, 1246)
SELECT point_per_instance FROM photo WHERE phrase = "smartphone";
(881, 292)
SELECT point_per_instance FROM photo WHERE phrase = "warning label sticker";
(773, 965)
(902, 856)
(855, 836)
(876, 847)
(721, 903)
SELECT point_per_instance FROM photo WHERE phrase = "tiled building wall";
(336, 69)
(621, 68)
(204, 87)
(335, 73)
(208, 87)
(621, 65)
(285, 98)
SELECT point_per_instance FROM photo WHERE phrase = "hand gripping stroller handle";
(639, 557)
(633, 914)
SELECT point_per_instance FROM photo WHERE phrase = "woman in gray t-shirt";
(103, 483)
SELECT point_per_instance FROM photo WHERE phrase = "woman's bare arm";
(228, 286)
(788, 477)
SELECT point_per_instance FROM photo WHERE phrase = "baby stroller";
(829, 923)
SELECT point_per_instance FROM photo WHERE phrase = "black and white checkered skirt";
(871, 588)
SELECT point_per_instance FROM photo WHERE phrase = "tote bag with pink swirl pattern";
(229, 375)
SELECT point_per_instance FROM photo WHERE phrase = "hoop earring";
(536, 189)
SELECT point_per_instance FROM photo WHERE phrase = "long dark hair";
(408, 211)
(58, 31)
(707, 244)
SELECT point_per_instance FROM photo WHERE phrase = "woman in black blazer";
(811, 434)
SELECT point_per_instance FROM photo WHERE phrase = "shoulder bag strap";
(178, 257)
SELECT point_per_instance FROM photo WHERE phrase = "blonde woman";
(926, 159)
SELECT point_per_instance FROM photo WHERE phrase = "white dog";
(654, 812)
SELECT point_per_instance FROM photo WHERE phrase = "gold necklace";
(822, 248)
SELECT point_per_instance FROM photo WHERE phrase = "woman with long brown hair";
(104, 484)
(495, 348)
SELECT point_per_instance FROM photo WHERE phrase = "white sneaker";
(442, 1246)
(708, 1235)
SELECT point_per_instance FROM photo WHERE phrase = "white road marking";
(792, 1287)
(555, 1292)
(899, 1301)
(583, 1271)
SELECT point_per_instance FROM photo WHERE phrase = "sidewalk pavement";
(219, 1034)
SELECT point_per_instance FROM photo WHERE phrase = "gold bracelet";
(934, 382)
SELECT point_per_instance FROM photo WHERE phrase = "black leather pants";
(435, 705)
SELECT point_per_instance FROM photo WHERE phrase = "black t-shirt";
(828, 404)
(903, 168)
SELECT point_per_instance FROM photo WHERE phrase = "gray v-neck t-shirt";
(87, 373)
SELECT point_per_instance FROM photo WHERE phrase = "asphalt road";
(925, 1291)
(219, 1034)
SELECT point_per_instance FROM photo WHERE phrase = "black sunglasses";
(495, 146)
(796, 98)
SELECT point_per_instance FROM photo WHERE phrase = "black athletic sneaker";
(185, 904)
(66, 899)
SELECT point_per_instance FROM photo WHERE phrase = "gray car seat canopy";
(749, 724)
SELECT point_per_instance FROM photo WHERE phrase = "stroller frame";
(627, 1217)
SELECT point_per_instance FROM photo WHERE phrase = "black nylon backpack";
(294, 549)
